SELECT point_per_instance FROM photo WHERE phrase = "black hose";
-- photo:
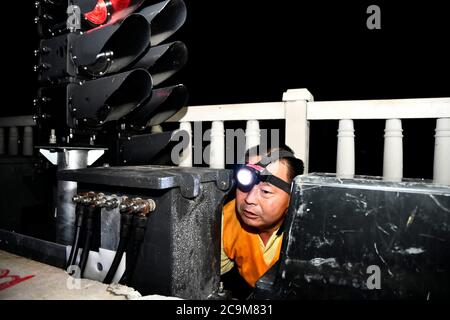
(88, 237)
(125, 221)
(139, 225)
(79, 212)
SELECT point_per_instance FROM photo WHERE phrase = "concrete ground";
(25, 279)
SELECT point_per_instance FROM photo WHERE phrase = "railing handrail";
(321, 110)
(379, 109)
(231, 112)
(17, 121)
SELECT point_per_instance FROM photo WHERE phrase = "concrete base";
(25, 279)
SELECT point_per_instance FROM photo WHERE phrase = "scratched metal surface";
(180, 255)
(338, 228)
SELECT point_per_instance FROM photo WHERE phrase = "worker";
(252, 225)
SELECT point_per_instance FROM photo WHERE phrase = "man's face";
(264, 206)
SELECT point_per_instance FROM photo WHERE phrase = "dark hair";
(294, 165)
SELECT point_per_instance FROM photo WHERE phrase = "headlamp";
(249, 175)
(246, 176)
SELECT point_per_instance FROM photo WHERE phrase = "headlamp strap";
(277, 182)
(267, 176)
(274, 156)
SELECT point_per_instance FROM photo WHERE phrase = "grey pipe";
(65, 212)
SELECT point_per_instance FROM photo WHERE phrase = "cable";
(138, 230)
(126, 218)
(91, 211)
(141, 209)
(79, 212)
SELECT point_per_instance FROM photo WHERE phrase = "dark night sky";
(253, 51)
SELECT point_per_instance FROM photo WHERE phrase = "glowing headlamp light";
(246, 176)
(250, 175)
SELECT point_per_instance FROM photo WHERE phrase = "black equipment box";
(180, 253)
(363, 238)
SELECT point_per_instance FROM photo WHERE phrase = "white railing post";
(297, 124)
(441, 166)
(217, 150)
(13, 141)
(2, 141)
(345, 160)
(393, 151)
(186, 156)
(27, 141)
(252, 134)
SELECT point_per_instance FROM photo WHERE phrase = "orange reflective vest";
(244, 247)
